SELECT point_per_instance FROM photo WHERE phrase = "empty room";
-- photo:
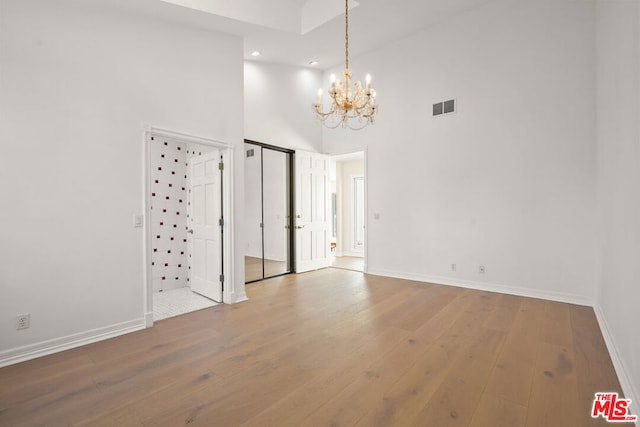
(320, 212)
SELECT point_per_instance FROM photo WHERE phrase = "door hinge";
(221, 222)
(221, 166)
(222, 278)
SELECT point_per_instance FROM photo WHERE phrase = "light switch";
(138, 221)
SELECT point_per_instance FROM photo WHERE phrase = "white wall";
(76, 85)
(277, 106)
(618, 47)
(508, 181)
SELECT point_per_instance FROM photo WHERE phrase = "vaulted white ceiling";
(295, 32)
(294, 16)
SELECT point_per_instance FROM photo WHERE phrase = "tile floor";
(179, 301)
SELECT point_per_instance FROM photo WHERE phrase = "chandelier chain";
(346, 34)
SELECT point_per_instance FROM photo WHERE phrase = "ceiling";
(295, 32)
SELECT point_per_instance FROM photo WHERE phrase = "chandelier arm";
(358, 98)
(321, 114)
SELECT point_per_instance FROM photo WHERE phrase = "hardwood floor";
(330, 348)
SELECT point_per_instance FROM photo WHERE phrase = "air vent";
(444, 107)
(449, 106)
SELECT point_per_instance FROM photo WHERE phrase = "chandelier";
(350, 107)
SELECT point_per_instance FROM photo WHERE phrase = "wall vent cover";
(444, 107)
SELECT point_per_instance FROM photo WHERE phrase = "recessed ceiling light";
(255, 53)
(314, 62)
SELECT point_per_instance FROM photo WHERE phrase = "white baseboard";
(350, 253)
(148, 319)
(236, 298)
(22, 354)
(627, 385)
(490, 287)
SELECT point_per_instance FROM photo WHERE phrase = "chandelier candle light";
(351, 107)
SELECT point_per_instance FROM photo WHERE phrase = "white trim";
(236, 298)
(366, 208)
(184, 137)
(627, 385)
(354, 202)
(228, 294)
(359, 254)
(148, 319)
(490, 287)
(146, 229)
(43, 348)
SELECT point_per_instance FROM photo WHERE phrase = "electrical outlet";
(453, 267)
(23, 321)
(481, 269)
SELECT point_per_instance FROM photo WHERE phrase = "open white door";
(312, 210)
(204, 221)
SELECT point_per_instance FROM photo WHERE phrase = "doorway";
(348, 208)
(185, 211)
(268, 210)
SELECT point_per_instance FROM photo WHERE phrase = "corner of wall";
(628, 388)
(240, 297)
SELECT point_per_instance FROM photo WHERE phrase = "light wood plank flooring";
(330, 348)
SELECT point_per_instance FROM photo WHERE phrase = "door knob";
(190, 231)
(299, 226)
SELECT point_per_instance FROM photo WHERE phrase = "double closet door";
(268, 207)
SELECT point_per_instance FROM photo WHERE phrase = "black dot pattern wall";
(170, 200)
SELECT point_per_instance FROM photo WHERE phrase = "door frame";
(365, 151)
(227, 262)
(291, 195)
(354, 203)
